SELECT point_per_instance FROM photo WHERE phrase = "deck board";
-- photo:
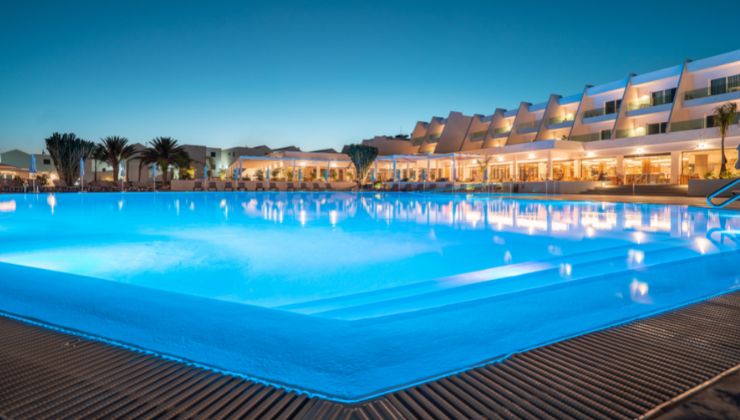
(621, 372)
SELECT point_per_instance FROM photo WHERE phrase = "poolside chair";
(290, 186)
(228, 186)
(240, 186)
(259, 186)
(198, 186)
(305, 186)
(317, 186)
(212, 186)
(273, 186)
(329, 187)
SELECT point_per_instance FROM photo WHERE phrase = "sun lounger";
(273, 186)
(198, 186)
(240, 186)
(305, 186)
(228, 186)
(259, 186)
(212, 186)
(290, 187)
(317, 186)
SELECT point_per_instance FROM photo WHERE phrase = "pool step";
(497, 281)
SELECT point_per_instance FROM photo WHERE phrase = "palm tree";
(362, 157)
(165, 152)
(114, 150)
(724, 117)
(66, 150)
(97, 155)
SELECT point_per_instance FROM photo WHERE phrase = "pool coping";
(627, 371)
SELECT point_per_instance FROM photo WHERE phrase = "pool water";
(348, 295)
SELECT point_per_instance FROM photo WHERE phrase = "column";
(675, 167)
(620, 169)
(394, 177)
(549, 165)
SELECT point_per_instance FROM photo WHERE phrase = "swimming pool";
(347, 295)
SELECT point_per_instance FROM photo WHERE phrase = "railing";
(696, 124)
(501, 131)
(733, 197)
(418, 140)
(596, 112)
(432, 138)
(478, 135)
(528, 126)
(586, 137)
(558, 120)
(707, 91)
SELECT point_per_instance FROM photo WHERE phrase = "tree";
(114, 150)
(97, 155)
(724, 117)
(165, 152)
(66, 150)
(362, 157)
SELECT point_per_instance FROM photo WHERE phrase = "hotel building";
(651, 128)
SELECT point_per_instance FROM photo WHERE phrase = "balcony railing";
(558, 120)
(586, 137)
(696, 124)
(528, 127)
(501, 131)
(432, 138)
(597, 112)
(416, 141)
(478, 135)
(706, 91)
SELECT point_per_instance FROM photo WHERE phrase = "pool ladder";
(733, 197)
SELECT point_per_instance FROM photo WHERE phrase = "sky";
(317, 74)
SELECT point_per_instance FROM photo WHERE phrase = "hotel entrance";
(655, 169)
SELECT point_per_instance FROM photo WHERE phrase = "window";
(733, 83)
(709, 121)
(718, 86)
(606, 134)
(213, 154)
(612, 107)
(47, 161)
(657, 128)
(663, 96)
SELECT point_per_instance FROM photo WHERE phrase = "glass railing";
(528, 126)
(558, 120)
(501, 130)
(418, 140)
(478, 135)
(586, 137)
(706, 91)
(696, 124)
(432, 138)
(593, 113)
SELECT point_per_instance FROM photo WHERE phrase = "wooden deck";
(623, 372)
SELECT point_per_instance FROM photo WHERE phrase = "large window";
(657, 128)
(705, 164)
(663, 96)
(599, 170)
(563, 171)
(724, 85)
(612, 107)
(535, 171)
(647, 169)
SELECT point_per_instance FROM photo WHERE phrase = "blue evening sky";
(318, 73)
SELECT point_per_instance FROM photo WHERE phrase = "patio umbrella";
(154, 175)
(267, 174)
(372, 175)
(205, 171)
(236, 174)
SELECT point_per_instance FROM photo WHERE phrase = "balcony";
(559, 122)
(478, 135)
(433, 138)
(586, 137)
(598, 114)
(695, 124)
(642, 108)
(528, 127)
(501, 131)
(709, 95)
(417, 141)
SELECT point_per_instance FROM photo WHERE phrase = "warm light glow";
(639, 151)
(590, 154)
(701, 146)
(7, 206)
(500, 159)
(531, 156)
